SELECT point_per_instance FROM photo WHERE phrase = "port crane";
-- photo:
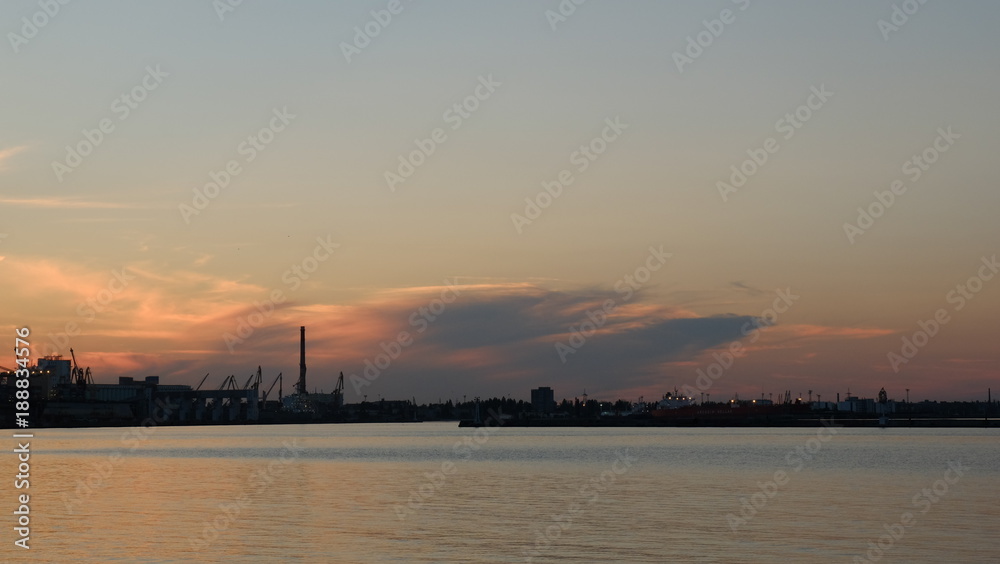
(202, 381)
(80, 377)
(256, 383)
(229, 383)
(339, 390)
(268, 392)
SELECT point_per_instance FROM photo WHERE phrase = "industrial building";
(66, 395)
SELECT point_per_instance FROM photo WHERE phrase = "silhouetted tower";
(302, 361)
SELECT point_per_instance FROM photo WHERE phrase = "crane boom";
(202, 381)
(230, 381)
(268, 392)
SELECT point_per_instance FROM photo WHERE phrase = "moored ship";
(674, 406)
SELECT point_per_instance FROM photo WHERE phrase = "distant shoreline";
(915, 422)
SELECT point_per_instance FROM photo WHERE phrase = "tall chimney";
(302, 360)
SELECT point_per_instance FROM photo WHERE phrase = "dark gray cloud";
(516, 337)
(489, 341)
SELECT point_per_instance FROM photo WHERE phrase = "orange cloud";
(807, 331)
(173, 323)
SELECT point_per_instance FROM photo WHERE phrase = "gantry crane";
(80, 377)
(263, 402)
(338, 392)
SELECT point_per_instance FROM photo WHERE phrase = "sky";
(464, 199)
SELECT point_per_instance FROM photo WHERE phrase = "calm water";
(431, 492)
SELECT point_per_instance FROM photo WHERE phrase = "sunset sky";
(113, 243)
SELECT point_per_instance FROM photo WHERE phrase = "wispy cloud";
(68, 203)
(805, 330)
(739, 284)
(6, 154)
(104, 219)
